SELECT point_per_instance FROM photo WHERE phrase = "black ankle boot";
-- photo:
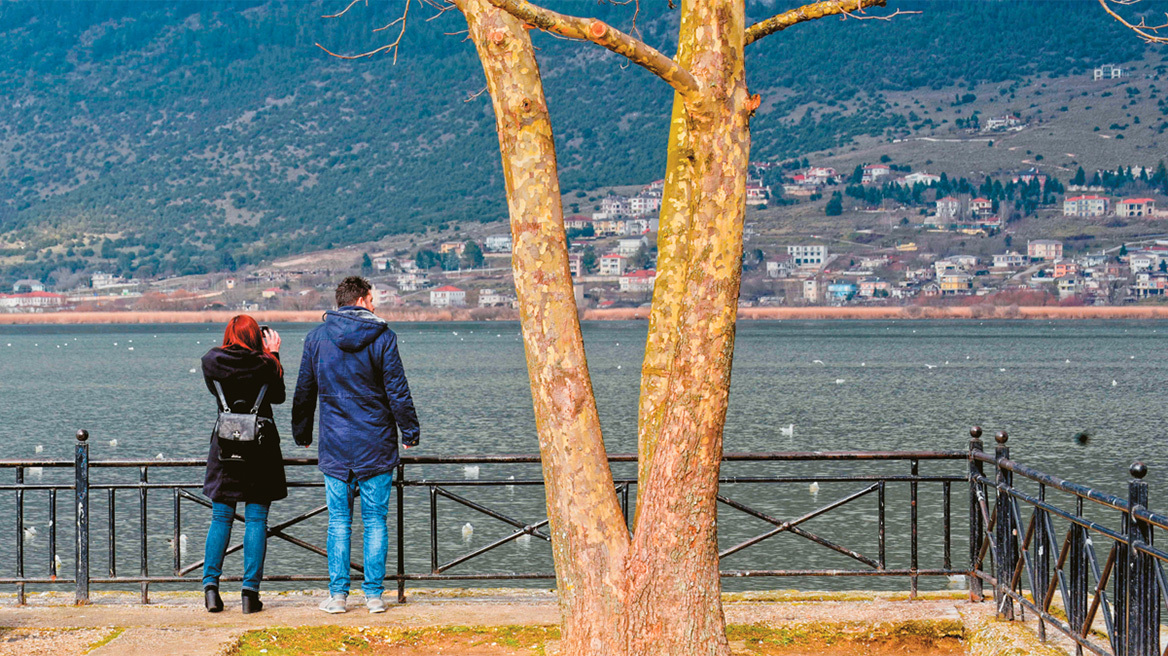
(212, 599)
(251, 602)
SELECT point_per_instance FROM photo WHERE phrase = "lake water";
(866, 385)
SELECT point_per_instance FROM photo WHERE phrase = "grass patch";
(105, 641)
(367, 640)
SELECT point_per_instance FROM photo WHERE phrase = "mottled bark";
(589, 537)
(660, 592)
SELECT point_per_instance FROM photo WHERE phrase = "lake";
(841, 385)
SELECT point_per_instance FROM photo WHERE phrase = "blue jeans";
(255, 543)
(374, 508)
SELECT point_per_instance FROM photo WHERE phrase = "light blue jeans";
(374, 494)
(255, 543)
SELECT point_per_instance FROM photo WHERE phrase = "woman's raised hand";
(272, 340)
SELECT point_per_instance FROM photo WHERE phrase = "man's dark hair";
(351, 290)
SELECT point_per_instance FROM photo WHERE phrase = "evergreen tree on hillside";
(835, 206)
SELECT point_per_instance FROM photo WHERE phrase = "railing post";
(976, 527)
(1004, 531)
(401, 538)
(81, 504)
(1143, 603)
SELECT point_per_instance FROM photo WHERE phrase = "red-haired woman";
(248, 361)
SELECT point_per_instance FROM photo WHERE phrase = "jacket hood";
(233, 361)
(353, 328)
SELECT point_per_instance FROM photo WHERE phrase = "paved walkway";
(176, 624)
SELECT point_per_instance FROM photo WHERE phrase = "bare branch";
(476, 94)
(345, 10)
(606, 36)
(809, 13)
(1149, 33)
(402, 20)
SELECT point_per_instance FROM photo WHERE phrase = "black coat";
(259, 479)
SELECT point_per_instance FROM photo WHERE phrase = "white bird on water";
(524, 540)
(467, 532)
(813, 489)
(471, 472)
(39, 448)
(36, 472)
(160, 457)
(840, 381)
(787, 431)
(193, 370)
(30, 533)
(930, 366)
(1114, 382)
(56, 564)
(113, 443)
(818, 362)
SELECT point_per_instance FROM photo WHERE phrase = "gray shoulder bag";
(238, 433)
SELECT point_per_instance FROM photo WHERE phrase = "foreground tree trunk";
(657, 592)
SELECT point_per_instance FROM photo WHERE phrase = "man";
(351, 363)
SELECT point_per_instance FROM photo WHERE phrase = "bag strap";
(259, 399)
(222, 398)
(227, 406)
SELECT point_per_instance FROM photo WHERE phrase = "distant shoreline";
(620, 314)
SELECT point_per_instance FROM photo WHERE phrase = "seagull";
(39, 448)
(1114, 383)
(818, 362)
(56, 564)
(930, 366)
(113, 443)
(787, 431)
(30, 533)
(36, 471)
(471, 472)
(1068, 362)
(193, 370)
(467, 531)
(160, 457)
(813, 489)
(840, 381)
(1003, 369)
(130, 349)
(524, 540)
(862, 364)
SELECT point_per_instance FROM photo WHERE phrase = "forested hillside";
(155, 138)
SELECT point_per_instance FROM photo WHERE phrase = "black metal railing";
(1030, 534)
(850, 479)
(1016, 523)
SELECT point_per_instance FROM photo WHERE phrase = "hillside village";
(612, 250)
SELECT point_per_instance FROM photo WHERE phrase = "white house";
(1086, 206)
(948, 209)
(630, 245)
(27, 285)
(638, 281)
(812, 256)
(874, 172)
(613, 264)
(498, 244)
(1108, 72)
(492, 298)
(1007, 260)
(447, 296)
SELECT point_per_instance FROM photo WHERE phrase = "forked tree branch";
(604, 35)
(807, 13)
(1148, 33)
(400, 20)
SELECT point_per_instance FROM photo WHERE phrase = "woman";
(248, 360)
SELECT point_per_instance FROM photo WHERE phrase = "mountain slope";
(173, 138)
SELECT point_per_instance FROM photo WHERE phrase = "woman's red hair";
(244, 332)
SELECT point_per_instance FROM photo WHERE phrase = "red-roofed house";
(981, 206)
(1086, 206)
(577, 222)
(447, 296)
(1135, 207)
(638, 281)
(873, 172)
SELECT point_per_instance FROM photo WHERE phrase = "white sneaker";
(375, 604)
(335, 604)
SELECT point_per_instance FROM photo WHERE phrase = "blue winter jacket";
(351, 362)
